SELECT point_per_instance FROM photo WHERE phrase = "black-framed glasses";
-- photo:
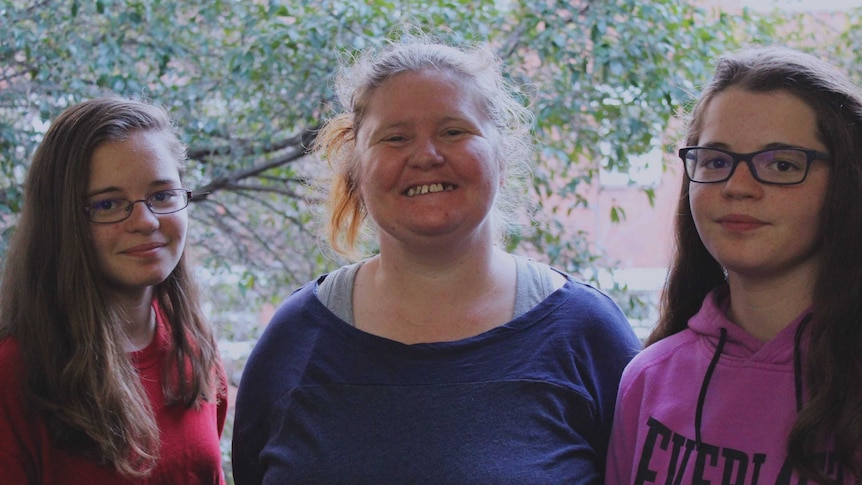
(776, 166)
(108, 211)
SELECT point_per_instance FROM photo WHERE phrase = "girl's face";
(753, 229)
(139, 252)
(428, 163)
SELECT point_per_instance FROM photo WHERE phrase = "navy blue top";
(530, 401)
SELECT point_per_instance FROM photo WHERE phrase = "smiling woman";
(425, 129)
(442, 359)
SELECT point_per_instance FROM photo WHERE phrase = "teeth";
(429, 188)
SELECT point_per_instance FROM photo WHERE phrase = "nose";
(142, 218)
(742, 183)
(426, 154)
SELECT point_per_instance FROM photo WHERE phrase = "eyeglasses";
(782, 166)
(108, 211)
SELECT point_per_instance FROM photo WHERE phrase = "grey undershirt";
(532, 285)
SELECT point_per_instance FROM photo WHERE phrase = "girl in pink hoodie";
(754, 372)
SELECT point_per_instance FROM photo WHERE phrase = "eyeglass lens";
(787, 166)
(116, 210)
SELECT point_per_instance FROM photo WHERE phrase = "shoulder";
(665, 349)
(12, 375)
(592, 324)
(585, 294)
(660, 359)
(538, 273)
(297, 327)
(11, 361)
(591, 308)
(21, 431)
(9, 347)
(301, 300)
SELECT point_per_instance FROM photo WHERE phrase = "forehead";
(747, 121)
(139, 160)
(429, 89)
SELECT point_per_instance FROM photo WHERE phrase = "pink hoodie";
(747, 402)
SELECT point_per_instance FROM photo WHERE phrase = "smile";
(428, 189)
(143, 248)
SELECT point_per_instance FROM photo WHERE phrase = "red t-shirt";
(190, 452)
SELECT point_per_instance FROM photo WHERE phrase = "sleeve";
(248, 426)
(254, 401)
(268, 374)
(17, 438)
(612, 353)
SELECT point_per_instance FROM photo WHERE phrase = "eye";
(106, 205)
(713, 162)
(394, 138)
(785, 166)
(167, 201)
(784, 161)
(163, 196)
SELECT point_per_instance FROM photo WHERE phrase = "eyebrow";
(156, 184)
(769, 146)
(388, 126)
(442, 120)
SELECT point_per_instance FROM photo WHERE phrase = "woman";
(753, 374)
(441, 359)
(108, 371)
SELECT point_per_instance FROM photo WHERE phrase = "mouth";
(429, 189)
(141, 248)
(740, 219)
(741, 223)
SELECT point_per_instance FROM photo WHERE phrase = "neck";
(764, 307)
(424, 300)
(141, 324)
(440, 250)
(469, 264)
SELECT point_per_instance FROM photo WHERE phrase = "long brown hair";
(53, 300)
(833, 371)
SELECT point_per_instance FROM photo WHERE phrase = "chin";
(137, 282)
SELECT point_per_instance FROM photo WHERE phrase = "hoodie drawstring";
(797, 361)
(701, 398)
(797, 375)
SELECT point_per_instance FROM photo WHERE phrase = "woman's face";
(753, 229)
(428, 159)
(141, 251)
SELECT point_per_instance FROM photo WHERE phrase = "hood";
(739, 344)
(728, 340)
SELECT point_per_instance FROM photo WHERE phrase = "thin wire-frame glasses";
(781, 166)
(109, 211)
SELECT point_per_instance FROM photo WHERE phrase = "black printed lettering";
(675, 469)
(656, 430)
(704, 452)
(734, 459)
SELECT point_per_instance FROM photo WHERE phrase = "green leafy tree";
(249, 83)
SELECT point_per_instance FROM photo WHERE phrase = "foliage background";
(248, 83)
